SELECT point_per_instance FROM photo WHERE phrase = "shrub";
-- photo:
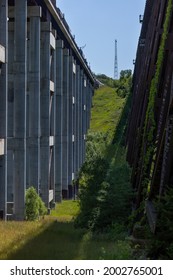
(34, 206)
(161, 246)
(42, 207)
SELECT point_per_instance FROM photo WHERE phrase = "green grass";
(106, 111)
(66, 210)
(56, 238)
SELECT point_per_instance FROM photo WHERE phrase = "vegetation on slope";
(161, 244)
(104, 199)
(105, 191)
(107, 108)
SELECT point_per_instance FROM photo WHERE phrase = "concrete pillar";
(46, 101)
(70, 122)
(84, 118)
(90, 94)
(74, 172)
(77, 104)
(72, 125)
(3, 107)
(81, 118)
(20, 55)
(33, 164)
(10, 111)
(87, 106)
(52, 122)
(65, 128)
(10, 79)
(59, 119)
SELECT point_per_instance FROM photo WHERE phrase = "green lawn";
(56, 238)
(66, 210)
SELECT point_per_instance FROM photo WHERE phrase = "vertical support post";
(3, 107)
(52, 112)
(59, 120)
(90, 103)
(20, 55)
(45, 113)
(65, 128)
(10, 111)
(70, 127)
(74, 112)
(77, 117)
(87, 105)
(80, 118)
(34, 102)
(84, 128)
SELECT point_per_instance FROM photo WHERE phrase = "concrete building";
(46, 89)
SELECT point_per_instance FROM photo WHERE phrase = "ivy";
(161, 244)
(150, 123)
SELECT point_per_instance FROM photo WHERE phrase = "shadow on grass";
(120, 131)
(57, 241)
(61, 241)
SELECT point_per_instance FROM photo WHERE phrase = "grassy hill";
(106, 111)
(105, 175)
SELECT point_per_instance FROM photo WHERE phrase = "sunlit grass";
(106, 111)
(14, 235)
(55, 237)
(66, 210)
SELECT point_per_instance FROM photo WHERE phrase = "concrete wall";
(46, 89)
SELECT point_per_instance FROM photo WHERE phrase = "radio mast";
(116, 63)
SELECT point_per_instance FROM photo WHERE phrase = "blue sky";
(97, 23)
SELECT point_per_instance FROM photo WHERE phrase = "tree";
(34, 206)
(125, 74)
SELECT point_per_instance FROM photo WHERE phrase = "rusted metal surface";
(159, 170)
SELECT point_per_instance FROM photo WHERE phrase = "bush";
(161, 245)
(42, 207)
(34, 206)
(105, 192)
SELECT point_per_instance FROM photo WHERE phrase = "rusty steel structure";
(152, 160)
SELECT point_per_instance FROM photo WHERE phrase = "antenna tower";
(116, 63)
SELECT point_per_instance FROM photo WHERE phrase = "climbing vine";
(150, 123)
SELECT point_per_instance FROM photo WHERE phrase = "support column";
(20, 55)
(70, 127)
(52, 120)
(3, 107)
(10, 125)
(65, 127)
(47, 91)
(77, 117)
(80, 118)
(87, 106)
(90, 103)
(74, 171)
(84, 116)
(34, 101)
(59, 120)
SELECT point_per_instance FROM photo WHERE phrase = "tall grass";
(55, 238)
(107, 108)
